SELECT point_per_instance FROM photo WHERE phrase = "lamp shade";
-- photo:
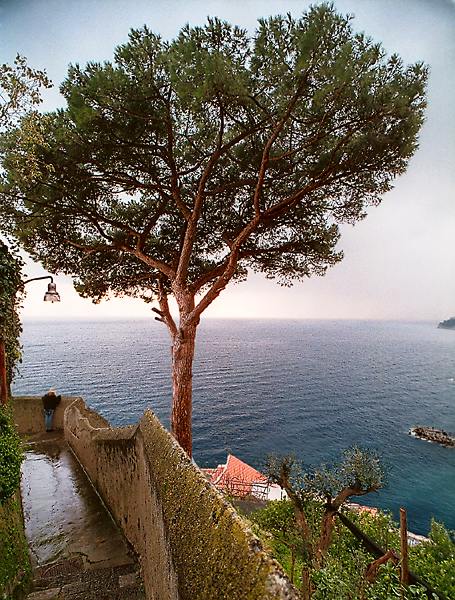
(51, 295)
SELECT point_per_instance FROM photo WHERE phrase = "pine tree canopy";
(183, 164)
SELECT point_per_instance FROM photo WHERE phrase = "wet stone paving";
(77, 551)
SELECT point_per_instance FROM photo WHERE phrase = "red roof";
(236, 477)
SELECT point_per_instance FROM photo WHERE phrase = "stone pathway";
(77, 551)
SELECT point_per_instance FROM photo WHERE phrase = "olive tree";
(180, 166)
(359, 472)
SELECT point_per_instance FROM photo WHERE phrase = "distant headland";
(448, 324)
(431, 434)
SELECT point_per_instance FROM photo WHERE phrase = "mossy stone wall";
(214, 553)
(114, 460)
(191, 542)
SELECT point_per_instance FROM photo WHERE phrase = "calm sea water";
(312, 388)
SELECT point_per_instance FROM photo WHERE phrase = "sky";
(399, 262)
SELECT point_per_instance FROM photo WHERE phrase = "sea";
(308, 388)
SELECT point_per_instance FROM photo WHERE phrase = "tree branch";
(352, 491)
(190, 233)
(251, 253)
(164, 311)
(266, 152)
(172, 165)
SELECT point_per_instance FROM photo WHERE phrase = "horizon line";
(228, 318)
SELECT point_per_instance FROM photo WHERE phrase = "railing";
(239, 488)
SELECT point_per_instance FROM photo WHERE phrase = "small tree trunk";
(182, 386)
(307, 590)
(3, 377)
(404, 547)
(292, 563)
(305, 532)
(326, 535)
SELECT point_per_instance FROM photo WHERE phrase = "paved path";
(77, 550)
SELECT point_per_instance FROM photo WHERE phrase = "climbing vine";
(10, 456)
(10, 297)
(10, 329)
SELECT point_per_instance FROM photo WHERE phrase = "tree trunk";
(404, 547)
(307, 588)
(326, 535)
(182, 386)
(292, 563)
(3, 377)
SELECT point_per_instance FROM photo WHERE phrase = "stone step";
(66, 593)
(62, 581)
(60, 572)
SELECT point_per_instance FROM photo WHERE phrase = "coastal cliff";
(431, 434)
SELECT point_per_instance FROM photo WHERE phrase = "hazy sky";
(399, 263)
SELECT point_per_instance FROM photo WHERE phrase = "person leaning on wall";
(50, 403)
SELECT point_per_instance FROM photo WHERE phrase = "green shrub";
(388, 587)
(11, 456)
(342, 575)
(14, 559)
(434, 560)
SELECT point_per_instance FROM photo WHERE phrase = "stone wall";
(191, 543)
(115, 462)
(29, 416)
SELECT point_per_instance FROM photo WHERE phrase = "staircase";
(68, 580)
(77, 551)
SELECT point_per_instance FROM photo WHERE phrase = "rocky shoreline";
(431, 434)
(448, 324)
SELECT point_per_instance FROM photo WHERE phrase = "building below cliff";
(239, 480)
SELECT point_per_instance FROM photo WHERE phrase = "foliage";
(15, 568)
(20, 87)
(341, 577)
(20, 95)
(434, 560)
(14, 560)
(10, 456)
(279, 519)
(388, 587)
(360, 472)
(264, 144)
(181, 165)
(10, 297)
(19, 90)
(379, 527)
